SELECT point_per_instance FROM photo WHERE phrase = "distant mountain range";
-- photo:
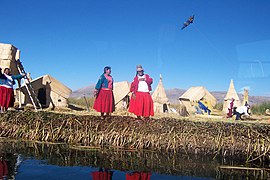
(174, 94)
(87, 91)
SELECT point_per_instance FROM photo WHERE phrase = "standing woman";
(3, 80)
(104, 102)
(6, 90)
(141, 103)
(230, 109)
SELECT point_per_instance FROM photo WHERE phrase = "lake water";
(29, 160)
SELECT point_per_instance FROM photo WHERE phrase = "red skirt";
(138, 175)
(6, 97)
(142, 104)
(104, 102)
(102, 175)
(3, 169)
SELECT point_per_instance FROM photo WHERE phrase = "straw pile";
(237, 140)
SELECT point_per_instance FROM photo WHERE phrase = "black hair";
(106, 68)
(137, 72)
(2, 76)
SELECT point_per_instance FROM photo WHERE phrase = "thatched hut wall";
(50, 92)
(160, 99)
(121, 91)
(193, 95)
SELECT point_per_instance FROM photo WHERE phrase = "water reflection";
(102, 174)
(3, 167)
(133, 164)
(138, 175)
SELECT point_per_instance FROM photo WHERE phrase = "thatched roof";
(231, 93)
(196, 93)
(120, 90)
(159, 95)
(55, 85)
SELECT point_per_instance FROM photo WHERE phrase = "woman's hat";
(139, 68)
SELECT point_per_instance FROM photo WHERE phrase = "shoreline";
(248, 141)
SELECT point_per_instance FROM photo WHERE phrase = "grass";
(82, 101)
(219, 106)
(260, 108)
(258, 112)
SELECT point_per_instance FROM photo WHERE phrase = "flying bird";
(188, 22)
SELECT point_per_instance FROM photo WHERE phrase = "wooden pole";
(86, 102)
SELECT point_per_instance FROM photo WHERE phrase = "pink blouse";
(110, 81)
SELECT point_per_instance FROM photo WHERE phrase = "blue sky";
(73, 40)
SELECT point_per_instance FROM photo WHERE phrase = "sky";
(73, 40)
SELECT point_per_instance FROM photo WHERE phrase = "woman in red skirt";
(6, 89)
(141, 103)
(104, 102)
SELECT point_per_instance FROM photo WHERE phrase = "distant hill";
(87, 91)
(173, 95)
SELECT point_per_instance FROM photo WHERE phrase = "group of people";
(141, 103)
(7, 80)
(238, 111)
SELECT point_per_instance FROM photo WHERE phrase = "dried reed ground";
(217, 137)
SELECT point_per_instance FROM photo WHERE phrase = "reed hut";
(160, 99)
(9, 55)
(231, 93)
(50, 92)
(193, 95)
(121, 91)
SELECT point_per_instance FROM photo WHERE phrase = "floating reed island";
(248, 141)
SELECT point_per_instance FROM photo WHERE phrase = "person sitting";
(198, 110)
(241, 110)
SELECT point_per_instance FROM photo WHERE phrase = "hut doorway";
(165, 108)
(42, 96)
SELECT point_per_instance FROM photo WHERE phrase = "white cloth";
(242, 109)
(142, 86)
